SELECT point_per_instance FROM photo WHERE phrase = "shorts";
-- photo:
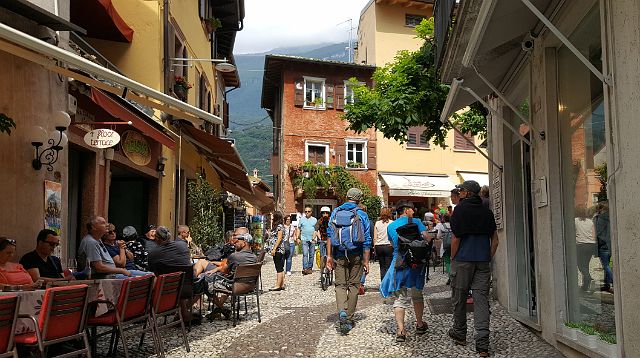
(404, 298)
(278, 260)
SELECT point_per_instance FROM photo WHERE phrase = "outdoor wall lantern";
(48, 156)
(160, 166)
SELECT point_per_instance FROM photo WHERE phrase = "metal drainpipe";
(165, 50)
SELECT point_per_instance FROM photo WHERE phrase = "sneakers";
(361, 290)
(483, 353)
(288, 273)
(456, 339)
(343, 323)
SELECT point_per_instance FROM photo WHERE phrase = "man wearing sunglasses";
(41, 263)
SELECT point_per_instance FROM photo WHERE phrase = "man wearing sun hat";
(473, 246)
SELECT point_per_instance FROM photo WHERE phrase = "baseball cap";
(429, 216)
(246, 237)
(325, 209)
(354, 194)
(470, 185)
(129, 231)
(404, 204)
(163, 233)
(149, 228)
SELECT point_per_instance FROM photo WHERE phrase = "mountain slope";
(249, 123)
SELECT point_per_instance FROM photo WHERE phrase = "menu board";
(496, 200)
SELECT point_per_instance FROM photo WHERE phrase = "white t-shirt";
(289, 233)
(442, 226)
(382, 237)
(585, 231)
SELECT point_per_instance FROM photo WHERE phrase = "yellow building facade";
(416, 170)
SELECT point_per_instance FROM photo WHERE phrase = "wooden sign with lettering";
(136, 147)
(102, 138)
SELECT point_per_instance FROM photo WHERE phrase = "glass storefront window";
(584, 161)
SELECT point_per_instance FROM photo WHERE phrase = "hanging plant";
(212, 24)
(6, 123)
(332, 180)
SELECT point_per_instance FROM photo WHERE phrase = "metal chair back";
(246, 278)
(9, 306)
(166, 294)
(63, 312)
(135, 296)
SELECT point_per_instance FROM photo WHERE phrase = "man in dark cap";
(473, 246)
(349, 233)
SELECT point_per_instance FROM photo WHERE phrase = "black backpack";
(446, 239)
(412, 248)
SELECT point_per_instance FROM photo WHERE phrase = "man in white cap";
(350, 243)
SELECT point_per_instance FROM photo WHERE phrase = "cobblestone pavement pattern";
(300, 322)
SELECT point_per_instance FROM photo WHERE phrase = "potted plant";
(212, 24)
(318, 101)
(181, 87)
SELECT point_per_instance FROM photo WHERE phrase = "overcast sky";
(270, 24)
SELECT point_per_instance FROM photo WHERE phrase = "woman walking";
(382, 245)
(276, 248)
(289, 241)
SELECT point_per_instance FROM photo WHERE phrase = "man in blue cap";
(473, 246)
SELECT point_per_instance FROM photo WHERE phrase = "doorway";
(128, 200)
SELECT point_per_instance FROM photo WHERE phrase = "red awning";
(224, 158)
(118, 109)
(101, 20)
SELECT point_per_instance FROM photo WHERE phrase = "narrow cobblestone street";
(300, 322)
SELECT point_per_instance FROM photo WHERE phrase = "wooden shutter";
(371, 155)
(339, 97)
(341, 153)
(422, 138)
(330, 96)
(298, 99)
(460, 143)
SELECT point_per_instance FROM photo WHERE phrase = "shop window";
(412, 20)
(314, 93)
(356, 154)
(417, 137)
(317, 153)
(583, 155)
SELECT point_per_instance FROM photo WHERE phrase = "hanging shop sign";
(102, 138)
(136, 147)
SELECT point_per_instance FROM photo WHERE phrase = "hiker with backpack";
(406, 276)
(445, 235)
(348, 254)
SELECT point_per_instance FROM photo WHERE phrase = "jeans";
(308, 251)
(605, 257)
(348, 272)
(475, 276)
(292, 248)
(134, 273)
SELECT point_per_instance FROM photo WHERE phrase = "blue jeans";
(323, 248)
(292, 248)
(134, 273)
(308, 251)
(605, 257)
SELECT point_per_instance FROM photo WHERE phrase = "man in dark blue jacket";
(349, 263)
(474, 243)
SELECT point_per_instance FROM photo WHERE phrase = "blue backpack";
(348, 229)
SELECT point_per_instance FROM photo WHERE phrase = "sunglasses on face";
(307, 211)
(10, 241)
(52, 244)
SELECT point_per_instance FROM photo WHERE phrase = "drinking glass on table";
(72, 265)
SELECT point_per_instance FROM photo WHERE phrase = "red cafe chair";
(165, 304)
(9, 306)
(62, 318)
(132, 308)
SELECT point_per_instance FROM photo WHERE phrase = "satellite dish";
(225, 67)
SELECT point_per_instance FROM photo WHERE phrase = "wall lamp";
(49, 156)
(160, 166)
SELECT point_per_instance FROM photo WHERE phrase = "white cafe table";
(31, 301)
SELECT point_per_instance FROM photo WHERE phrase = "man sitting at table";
(119, 253)
(93, 251)
(40, 263)
(223, 279)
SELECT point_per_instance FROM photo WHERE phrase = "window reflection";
(585, 210)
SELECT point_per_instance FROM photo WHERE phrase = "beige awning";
(64, 63)
(419, 185)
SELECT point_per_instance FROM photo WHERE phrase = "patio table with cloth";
(31, 301)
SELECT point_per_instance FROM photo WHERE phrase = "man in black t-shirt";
(40, 263)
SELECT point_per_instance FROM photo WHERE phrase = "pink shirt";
(14, 274)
